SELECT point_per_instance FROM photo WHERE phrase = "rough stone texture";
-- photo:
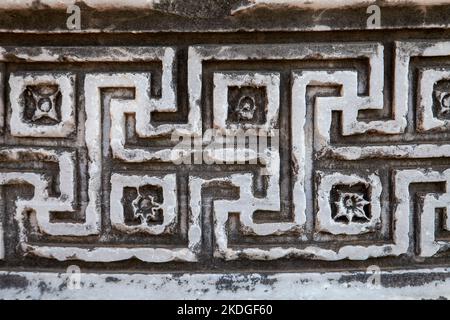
(347, 198)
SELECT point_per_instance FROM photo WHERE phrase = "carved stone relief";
(210, 154)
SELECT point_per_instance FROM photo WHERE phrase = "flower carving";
(146, 208)
(246, 108)
(351, 205)
(43, 100)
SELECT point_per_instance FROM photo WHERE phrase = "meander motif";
(107, 185)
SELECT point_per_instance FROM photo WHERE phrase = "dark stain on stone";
(43, 287)
(227, 283)
(397, 280)
(248, 283)
(112, 279)
(10, 281)
(412, 279)
(268, 282)
(62, 286)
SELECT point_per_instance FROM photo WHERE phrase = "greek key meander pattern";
(97, 128)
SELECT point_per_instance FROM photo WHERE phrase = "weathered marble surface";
(109, 169)
(219, 15)
(418, 284)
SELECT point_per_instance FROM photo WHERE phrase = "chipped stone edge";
(433, 284)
